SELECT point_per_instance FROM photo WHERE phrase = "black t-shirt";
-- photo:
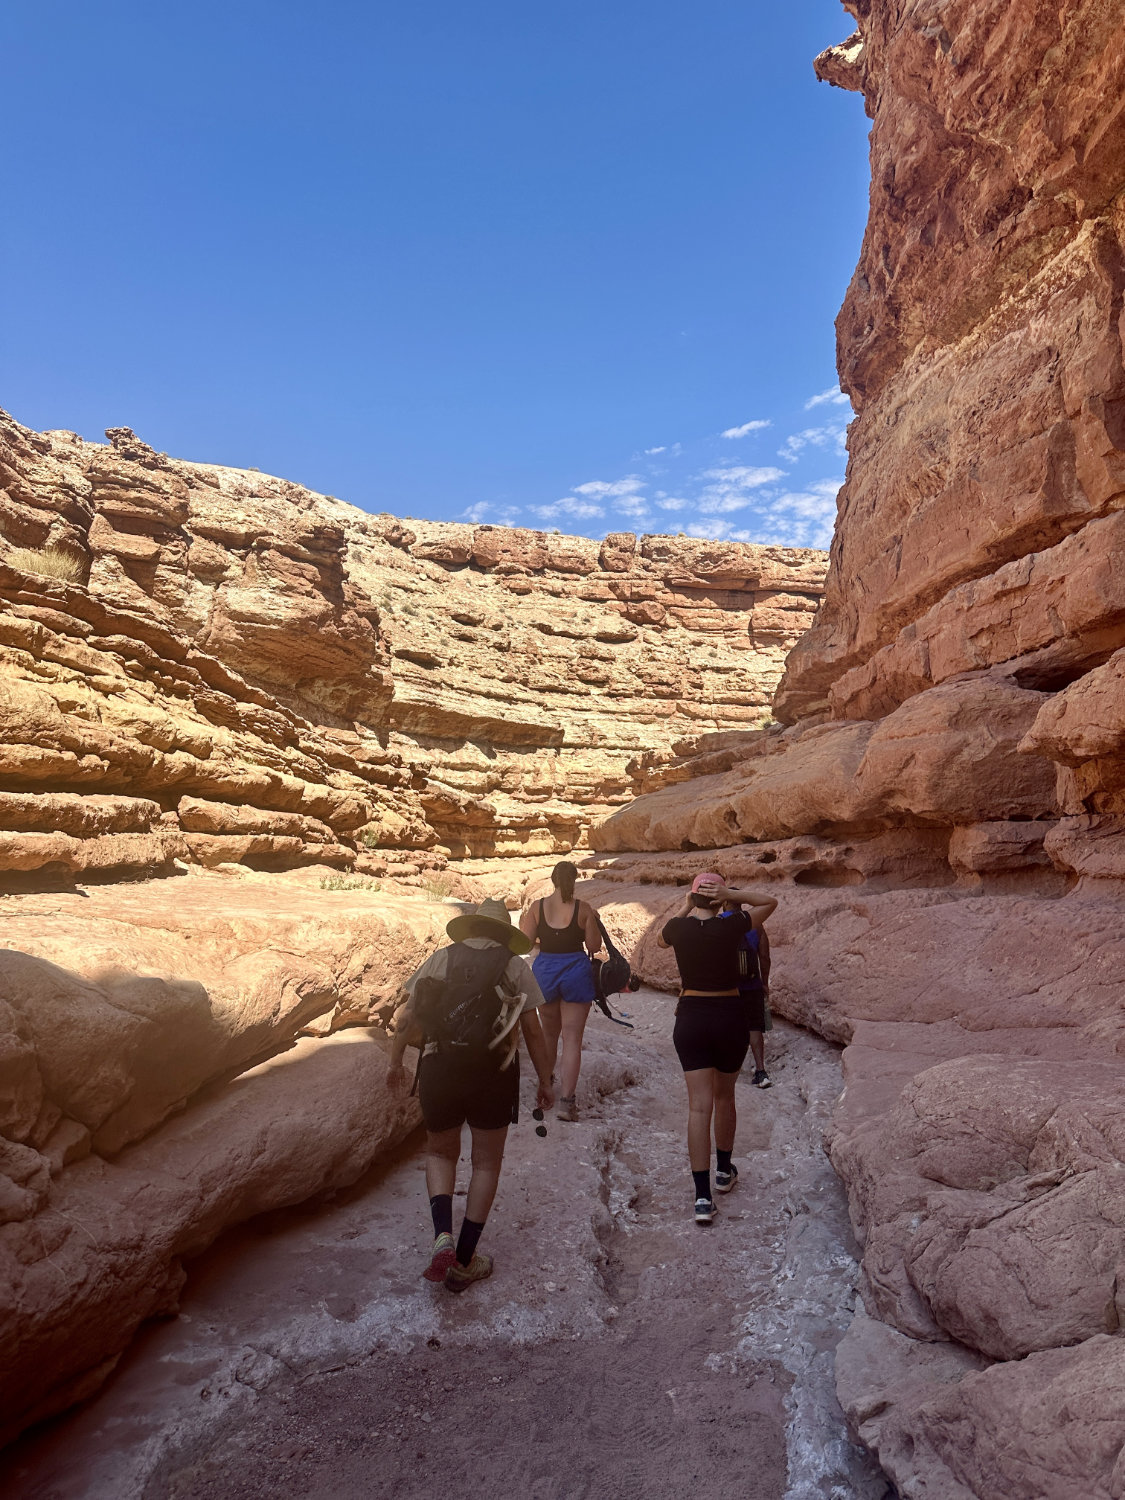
(707, 951)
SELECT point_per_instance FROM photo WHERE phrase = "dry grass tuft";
(48, 562)
(349, 883)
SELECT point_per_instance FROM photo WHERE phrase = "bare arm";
(406, 1034)
(764, 958)
(761, 906)
(683, 911)
(541, 1059)
(590, 929)
(529, 923)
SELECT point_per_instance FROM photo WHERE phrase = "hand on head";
(713, 890)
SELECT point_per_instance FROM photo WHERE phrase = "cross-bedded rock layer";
(226, 670)
(943, 818)
(240, 670)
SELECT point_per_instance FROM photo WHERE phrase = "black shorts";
(454, 1091)
(712, 1031)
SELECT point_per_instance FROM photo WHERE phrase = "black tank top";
(566, 939)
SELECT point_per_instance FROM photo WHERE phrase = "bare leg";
(550, 1018)
(758, 1048)
(442, 1151)
(701, 1101)
(726, 1113)
(574, 1018)
(488, 1154)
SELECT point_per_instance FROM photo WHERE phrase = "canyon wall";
(238, 670)
(942, 815)
(249, 737)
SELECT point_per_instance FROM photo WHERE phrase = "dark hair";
(563, 877)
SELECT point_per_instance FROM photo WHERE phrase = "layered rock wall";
(239, 670)
(943, 816)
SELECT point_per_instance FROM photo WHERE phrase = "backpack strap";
(613, 950)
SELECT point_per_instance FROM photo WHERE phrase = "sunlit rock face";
(266, 698)
(239, 670)
(942, 816)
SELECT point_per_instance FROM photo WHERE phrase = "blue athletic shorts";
(565, 976)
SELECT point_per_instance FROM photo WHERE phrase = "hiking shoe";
(459, 1278)
(724, 1181)
(762, 1079)
(442, 1257)
(567, 1109)
(704, 1210)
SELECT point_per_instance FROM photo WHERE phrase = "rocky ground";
(618, 1350)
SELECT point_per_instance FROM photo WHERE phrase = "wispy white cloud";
(833, 435)
(746, 428)
(833, 396)
(800, 518)
(732, 488)
(649, 452)
(570, 505)
(601, 489)
(485, 510)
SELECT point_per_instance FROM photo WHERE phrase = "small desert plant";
(438, 886)
(48, 562)
(349, 883)
(369, 836)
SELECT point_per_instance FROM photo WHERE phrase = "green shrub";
(438, 886)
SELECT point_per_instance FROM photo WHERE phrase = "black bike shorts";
(458, 1090)
(712, 1031)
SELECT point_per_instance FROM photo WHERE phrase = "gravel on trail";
(619, 1350)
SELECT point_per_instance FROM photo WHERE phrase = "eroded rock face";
(943, 816)
(137, 1116)
(277, 678)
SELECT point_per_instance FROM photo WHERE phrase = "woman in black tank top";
(712, 1031)
(567, 934)
(569, 939)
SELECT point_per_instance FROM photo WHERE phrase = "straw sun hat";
(490, 920)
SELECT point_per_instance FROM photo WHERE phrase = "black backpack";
(612, 976)
(460, 1012)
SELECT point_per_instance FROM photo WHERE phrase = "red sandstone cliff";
(239, 670)
(944, 819)
(235, 676)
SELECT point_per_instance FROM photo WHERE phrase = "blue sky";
(569, 267)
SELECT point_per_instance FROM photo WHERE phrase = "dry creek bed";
(619, 1350)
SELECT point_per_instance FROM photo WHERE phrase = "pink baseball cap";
(708, 876)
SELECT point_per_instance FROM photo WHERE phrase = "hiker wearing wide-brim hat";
(490, 920)
(467, 1007)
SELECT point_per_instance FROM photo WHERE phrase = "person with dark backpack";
(467, 1007)
(754, 991)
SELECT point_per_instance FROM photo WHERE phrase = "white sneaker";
(704, 1210)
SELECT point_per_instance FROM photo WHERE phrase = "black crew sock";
(441, 1207)
(467, 1241)
(702, 1183)
(722, 1160)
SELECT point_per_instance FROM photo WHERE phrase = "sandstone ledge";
(155, 1089)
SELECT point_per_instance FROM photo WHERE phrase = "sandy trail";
(619, 1350)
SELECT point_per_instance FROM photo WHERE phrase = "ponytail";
(563, 877)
